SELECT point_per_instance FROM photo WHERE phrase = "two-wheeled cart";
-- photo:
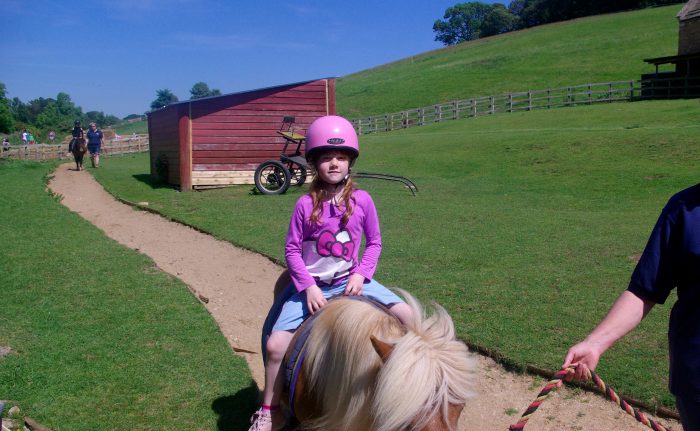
(274, 177)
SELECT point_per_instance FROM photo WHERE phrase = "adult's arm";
(626, 313)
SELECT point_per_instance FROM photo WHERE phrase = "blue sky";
(112, 55)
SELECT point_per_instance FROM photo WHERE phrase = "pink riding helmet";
(331, 133)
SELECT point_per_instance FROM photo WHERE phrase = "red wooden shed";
(219, 141)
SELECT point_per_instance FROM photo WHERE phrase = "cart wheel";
(298, 175)
(272, 178)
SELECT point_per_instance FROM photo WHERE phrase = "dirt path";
(236, 287)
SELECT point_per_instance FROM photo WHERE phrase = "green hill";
(594, 49)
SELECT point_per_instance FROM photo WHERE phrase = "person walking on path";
(322, 253)
(671, 259)
(95, 143)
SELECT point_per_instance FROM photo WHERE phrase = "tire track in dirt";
(236, 287)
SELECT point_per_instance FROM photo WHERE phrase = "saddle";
(294, 357)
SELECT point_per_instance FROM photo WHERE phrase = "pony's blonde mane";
(361, 393)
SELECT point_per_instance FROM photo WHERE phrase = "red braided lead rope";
(556, 382)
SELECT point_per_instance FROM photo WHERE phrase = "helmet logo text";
(336, 141)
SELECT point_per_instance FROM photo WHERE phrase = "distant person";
(30, 138)
(5, 144)
(75, 134)
(25, 137)
(670, 260)
(95, 143)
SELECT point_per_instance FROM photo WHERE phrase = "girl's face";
(333, 166)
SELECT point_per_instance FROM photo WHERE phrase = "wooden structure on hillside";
(219, 141)
(685, 80)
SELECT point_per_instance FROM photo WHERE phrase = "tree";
(57, 114)
(462, 23)
(164, 97)
(5, 111)
(498, 20)
(201, 89)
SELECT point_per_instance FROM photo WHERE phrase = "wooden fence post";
(631, 91)
(529, 100)
(510, 102)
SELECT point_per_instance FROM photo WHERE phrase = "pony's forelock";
(359, 392)
(438, 369)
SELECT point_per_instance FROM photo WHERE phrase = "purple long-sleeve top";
(326, 253)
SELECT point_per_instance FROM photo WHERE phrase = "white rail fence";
(577, 95)
(123, 145)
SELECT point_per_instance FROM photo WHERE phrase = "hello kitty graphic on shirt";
(330, 256)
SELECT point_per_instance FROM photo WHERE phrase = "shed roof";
(240, 93)
(690, 10)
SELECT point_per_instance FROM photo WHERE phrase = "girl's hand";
(355, 284)
(314, 299)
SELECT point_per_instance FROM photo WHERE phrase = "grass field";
(138, 127)
(588, 50)
(525, 227)
(100, 338)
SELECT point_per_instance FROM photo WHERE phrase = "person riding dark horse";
(76, 133)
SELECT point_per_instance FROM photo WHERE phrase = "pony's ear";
(383, 349)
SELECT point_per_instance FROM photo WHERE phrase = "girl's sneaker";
(262, 421)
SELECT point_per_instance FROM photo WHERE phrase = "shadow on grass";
(235, 410)
(152, 182)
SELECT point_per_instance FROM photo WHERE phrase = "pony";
(361, 369)
(78, 148)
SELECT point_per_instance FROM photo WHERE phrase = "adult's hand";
(584, 356)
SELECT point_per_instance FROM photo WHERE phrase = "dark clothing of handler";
(670, 260)
(94, 140)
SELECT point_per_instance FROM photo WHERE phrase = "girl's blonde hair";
(318, 193)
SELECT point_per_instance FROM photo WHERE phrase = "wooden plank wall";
(232, 135)
(164, 141)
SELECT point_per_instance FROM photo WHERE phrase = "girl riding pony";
(322, 253)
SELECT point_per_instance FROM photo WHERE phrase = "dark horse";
(78, 148)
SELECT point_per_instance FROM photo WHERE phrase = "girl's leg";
(276, 348)
(269, 417)
(398, 308)
(403, 312)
